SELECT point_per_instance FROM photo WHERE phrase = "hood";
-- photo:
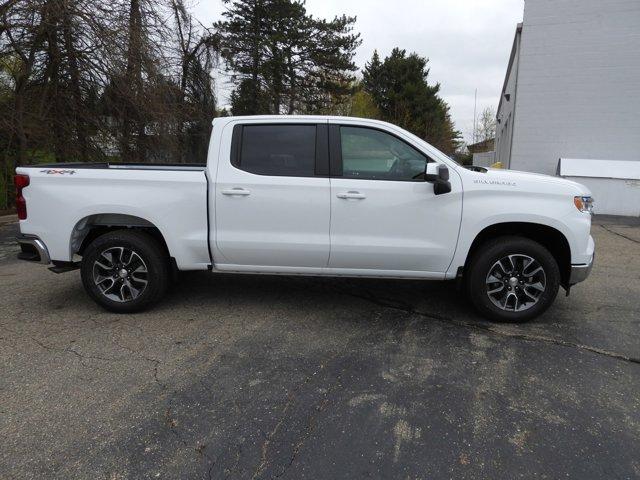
(527, 181)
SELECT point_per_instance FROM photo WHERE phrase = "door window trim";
(321, 162)
(335, 151)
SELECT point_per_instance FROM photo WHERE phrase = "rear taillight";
(21, 181)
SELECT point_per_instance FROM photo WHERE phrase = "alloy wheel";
(120, 274)
(516, 282)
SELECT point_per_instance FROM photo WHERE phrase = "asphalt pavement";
(288, 377)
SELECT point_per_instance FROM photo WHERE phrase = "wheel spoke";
(103, 266)
(515, 302)
(141, 268)
(505, 303)
(502, 268)
(132, 290)
(108, 256)
(531, 274)
(538, 286)
(139, 280)
(100, 280)
(122, 294)
(110, 287)
(130, 257)
(526, 292)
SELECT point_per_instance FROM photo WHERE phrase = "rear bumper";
(32, 249)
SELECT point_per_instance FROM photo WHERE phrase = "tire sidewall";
(145, 246)
(494, 251)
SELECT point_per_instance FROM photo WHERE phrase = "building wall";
(613, 196)
(484, 159)
(578, 83)
(506, 108)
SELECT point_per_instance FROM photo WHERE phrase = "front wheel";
(512, 279)
(125, 271)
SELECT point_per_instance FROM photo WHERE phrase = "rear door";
(272, 202)
(384, 216)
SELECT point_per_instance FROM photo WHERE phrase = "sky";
(467, 42)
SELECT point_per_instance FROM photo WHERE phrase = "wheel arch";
(92, 226)
(549, 237)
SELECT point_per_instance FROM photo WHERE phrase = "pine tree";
(245, 36)
(372, 78)
(400, 90)
(284, 60)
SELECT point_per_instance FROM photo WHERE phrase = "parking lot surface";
(265, 377)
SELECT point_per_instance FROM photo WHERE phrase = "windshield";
(428, 147)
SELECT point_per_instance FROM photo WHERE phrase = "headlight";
(584, 204)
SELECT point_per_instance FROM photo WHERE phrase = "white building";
(572, 88)
(614, 184)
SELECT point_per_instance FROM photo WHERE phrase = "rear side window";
(278, 150)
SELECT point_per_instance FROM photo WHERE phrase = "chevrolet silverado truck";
(307, 195)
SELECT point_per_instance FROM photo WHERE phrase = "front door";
(384, 216)
(271, 199)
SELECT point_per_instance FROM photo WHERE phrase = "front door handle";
(236, 191)
(352, 194)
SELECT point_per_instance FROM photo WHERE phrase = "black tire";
(483, 263)
(155, 264)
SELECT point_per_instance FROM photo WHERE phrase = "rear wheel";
(125, 271)
(512, 279)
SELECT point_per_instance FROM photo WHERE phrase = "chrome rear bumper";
(33, 249)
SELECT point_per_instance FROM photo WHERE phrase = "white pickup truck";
(310, 195)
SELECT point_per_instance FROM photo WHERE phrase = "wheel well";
(91, 227)
(552, 239)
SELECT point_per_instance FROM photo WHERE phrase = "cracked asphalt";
(265, 377)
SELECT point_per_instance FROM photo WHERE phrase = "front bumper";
(32, 249)
(579, 273)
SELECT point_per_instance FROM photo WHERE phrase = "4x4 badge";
(55, 171)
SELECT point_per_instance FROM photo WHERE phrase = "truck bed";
(64, 199)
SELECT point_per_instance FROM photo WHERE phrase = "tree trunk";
(59, 118)
(133, 85)
(76, 92)
(21, 136)
(292, 86)
(255, 67)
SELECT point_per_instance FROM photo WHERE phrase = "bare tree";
(52, 53)
(197, 49)
(485, 126)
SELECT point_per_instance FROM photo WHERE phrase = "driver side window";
(375, 155)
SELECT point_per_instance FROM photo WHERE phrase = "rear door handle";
(236, 191)
(352, 194)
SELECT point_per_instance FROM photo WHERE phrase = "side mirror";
(438, 175)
